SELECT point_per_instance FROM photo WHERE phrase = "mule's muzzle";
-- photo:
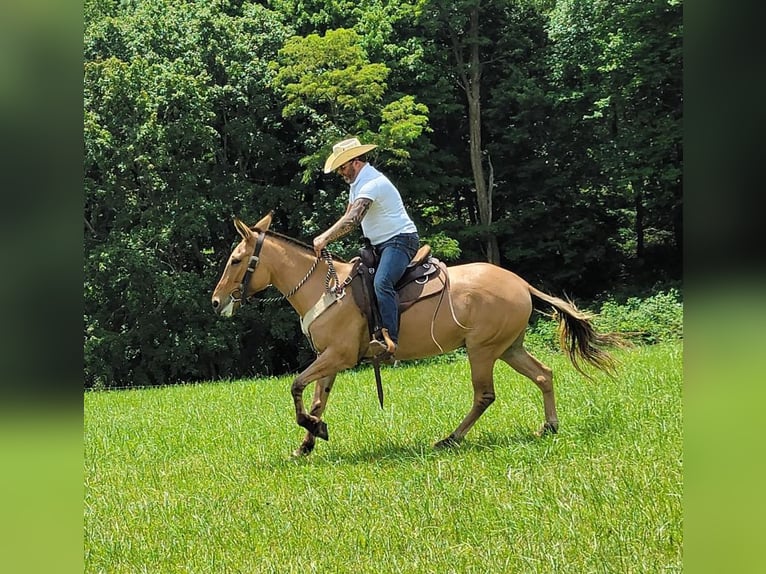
(223, 308)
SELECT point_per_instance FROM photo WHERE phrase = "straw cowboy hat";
(344, 151)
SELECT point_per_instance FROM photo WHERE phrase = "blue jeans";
(395, 254)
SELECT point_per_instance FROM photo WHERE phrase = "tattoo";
(351, 220)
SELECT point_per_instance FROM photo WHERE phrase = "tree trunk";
(473, 93)
(639, 227)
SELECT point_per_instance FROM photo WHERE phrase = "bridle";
(251, 265)
(239, 294)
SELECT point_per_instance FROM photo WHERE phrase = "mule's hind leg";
(322, 389)
(483, 396)
(520, 360)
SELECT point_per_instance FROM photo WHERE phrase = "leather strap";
(378, 382)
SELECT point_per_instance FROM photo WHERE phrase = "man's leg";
(395, 254)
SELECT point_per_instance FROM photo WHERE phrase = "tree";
(180, 132)
(619, 65)
(387, 33)
(333, 90)
(461, 24)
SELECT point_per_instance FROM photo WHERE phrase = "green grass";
(199, 478)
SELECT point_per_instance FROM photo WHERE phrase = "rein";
(332, 276)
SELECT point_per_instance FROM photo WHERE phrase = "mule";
(486, 310)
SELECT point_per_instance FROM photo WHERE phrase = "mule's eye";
(235, 261)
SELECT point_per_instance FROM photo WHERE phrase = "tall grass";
(200, 479)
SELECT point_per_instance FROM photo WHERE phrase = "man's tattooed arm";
(350, 221)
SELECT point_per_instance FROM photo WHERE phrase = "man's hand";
(320, 242)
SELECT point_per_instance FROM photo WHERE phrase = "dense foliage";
(197, 111)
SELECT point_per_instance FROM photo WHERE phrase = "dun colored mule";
(486, 310)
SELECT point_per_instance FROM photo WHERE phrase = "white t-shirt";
(386, 216)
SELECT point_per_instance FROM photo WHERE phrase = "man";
(376, 205)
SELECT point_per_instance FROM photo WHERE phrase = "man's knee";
(383, 285)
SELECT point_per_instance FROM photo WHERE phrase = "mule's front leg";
(313, 424)
(321, 393)
(326, 366)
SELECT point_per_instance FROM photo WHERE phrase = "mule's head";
(243, 275)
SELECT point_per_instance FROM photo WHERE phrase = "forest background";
(543, 136)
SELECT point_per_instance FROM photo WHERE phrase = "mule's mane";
(298, 243)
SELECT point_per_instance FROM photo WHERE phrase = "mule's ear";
(242, 228)
(263, 224)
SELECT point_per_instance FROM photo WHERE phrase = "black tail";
(579, 338)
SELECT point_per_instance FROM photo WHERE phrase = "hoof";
(315, 426)
(548, 429)
(302, 451)
(448, 442)
(321, 431)
(306, 447)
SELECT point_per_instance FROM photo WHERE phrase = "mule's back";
(485, 305)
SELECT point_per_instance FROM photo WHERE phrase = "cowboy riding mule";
(483, 308)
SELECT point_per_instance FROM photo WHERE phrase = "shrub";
(652, 320)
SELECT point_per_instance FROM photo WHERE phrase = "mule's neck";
(289, 265)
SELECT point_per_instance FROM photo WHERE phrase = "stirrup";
(385, 349)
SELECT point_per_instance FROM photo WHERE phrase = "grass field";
(199, 478)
